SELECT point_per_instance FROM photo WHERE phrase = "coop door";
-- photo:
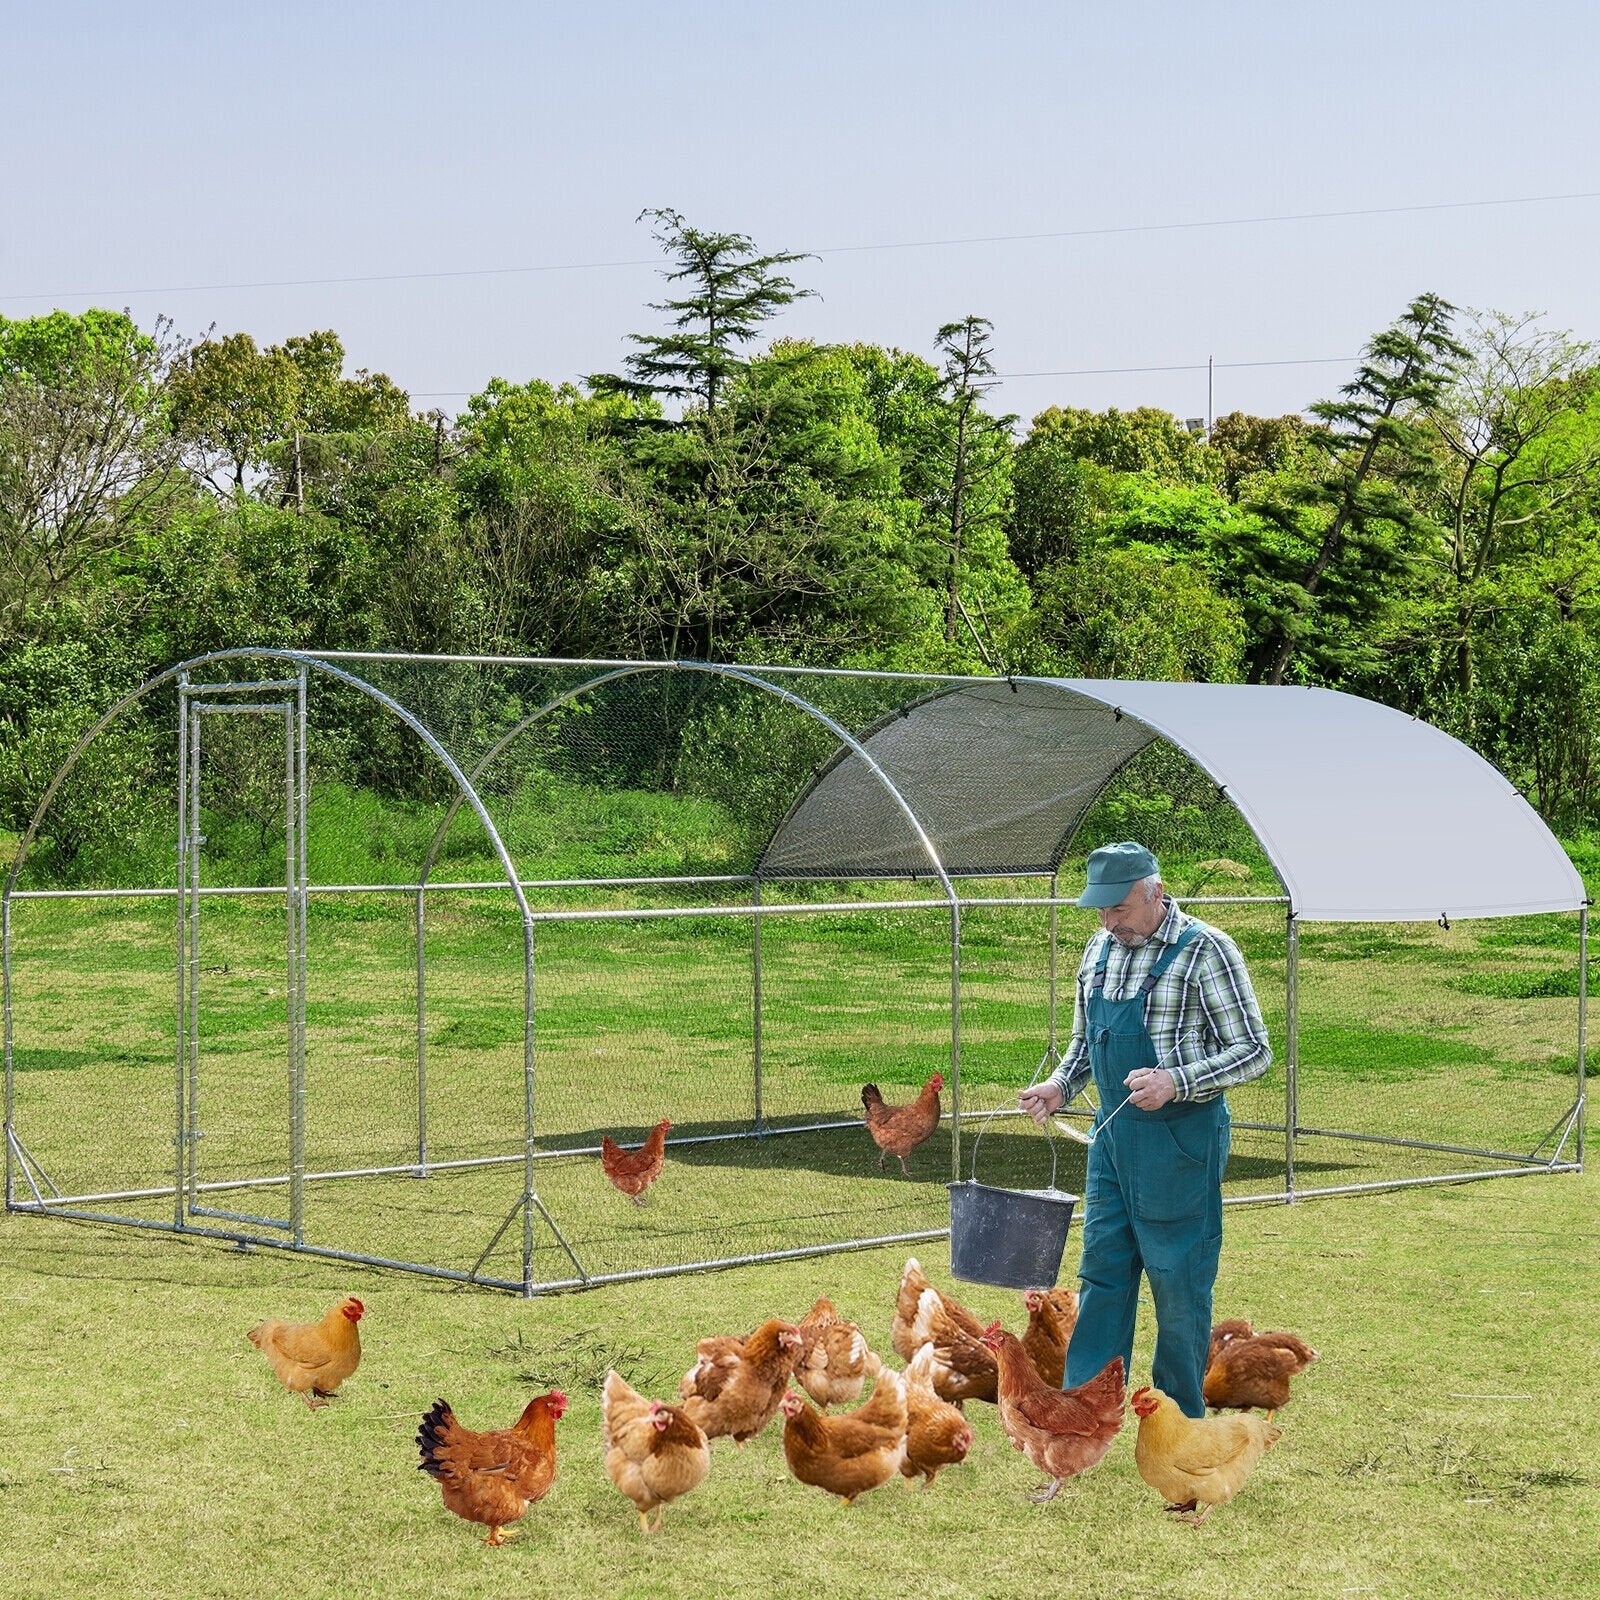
(242, 937)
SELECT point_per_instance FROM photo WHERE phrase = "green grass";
(150, 1455)
(1538, 983)
(1443, 1443)
(637, 1020)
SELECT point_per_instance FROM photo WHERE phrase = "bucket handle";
(1046, 1060)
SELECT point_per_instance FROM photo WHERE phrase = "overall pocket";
(1172, 1171)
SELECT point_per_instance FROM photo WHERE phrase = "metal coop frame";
(973, 793)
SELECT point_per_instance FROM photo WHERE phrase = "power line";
(1188, 366)
(1223, 222)
(1056, 372)
(826, 250)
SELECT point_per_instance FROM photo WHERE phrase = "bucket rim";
(1052, 1195)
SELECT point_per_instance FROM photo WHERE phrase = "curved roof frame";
(849, 745)
(467, 783)
(1363, 812)
(300, 658)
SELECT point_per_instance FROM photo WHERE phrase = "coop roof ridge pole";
(677, 663)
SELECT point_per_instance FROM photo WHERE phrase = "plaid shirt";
(1202, 1015)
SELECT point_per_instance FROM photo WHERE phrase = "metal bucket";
(1011, 1238)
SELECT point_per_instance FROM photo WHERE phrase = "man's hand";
(1150, 1088)
(1039, 1102)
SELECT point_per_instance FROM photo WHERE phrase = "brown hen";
(736, 1384)
(852, 1451)
(633, 1171)
(1052, 1315)
(962, 1368)
(834, 1358)
(937, 1435)
(898, 1130)
(1247, 1369)
(653, 1452)
(1061, 1431)
(492, 1478)
(311, 1359)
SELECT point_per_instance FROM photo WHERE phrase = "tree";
(980, 451)
(1249, 447)
(1053, 513)
(732, 294)
(1145, 439)
(549, 504)
(1350, 530)
(230, 399)
(1509, 421)
(286, 409)
(1129, 614)
(86, 453)
(329, 402)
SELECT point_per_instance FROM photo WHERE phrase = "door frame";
(285, 697)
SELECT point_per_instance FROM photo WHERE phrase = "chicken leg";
(1046, 1492)
(499, 1536)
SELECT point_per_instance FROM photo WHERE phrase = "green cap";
(1113, 871)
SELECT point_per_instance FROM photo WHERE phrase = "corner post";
(955, 1040)
(755, 985)
(180, 1127)
(1291, 1049)
(297, 960)
(5, 1007)
(529, 1198)
(422, 1034)
(1583, 1026)
(1054, 908)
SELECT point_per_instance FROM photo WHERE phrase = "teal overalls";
(1152, 1202)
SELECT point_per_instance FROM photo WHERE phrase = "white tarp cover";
(1365, 813)
(1368, 815)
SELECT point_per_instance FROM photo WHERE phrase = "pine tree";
(1348, 529)
(732, 292)
(979, 448)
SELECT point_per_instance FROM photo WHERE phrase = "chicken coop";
(362, 955)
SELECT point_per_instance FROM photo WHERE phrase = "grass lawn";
(1444, 1443)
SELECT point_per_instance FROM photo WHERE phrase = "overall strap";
(1168, 956)
(1099, 979)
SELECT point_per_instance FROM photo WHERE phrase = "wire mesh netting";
(426, 942)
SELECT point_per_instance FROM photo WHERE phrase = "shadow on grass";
(1007, 1156)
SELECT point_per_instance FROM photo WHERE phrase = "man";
(1166, 1019)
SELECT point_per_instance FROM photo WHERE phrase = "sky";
(1090, 178)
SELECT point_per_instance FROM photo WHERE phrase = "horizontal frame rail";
(563, 1284)
(1419, 1144)
(415, 1169)
(491, 885)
